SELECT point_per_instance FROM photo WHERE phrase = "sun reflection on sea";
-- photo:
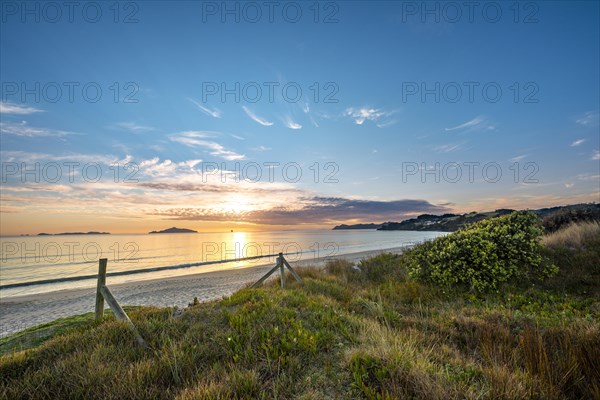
(239, 242)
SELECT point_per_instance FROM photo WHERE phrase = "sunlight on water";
(28, 259)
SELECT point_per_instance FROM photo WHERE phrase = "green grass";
(344, 334)
(36, 335)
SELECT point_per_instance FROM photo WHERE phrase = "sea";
(42, 264)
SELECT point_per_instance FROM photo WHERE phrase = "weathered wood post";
(281, 269)
(101, 282)
(280, 265)
(121, 315)
(271, 271)
(287, 264)
(103, 293)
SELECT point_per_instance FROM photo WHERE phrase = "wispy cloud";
(577, 142)
(7, 107)
(362, 114)
(30, 157)
(215, 113)
(590, 118)
(155, 167)
(596, 155)
(256, 118)
(133, 127)
(447, 148)
(200, 134)
(517, 158)
(588, 177)
(22, 129)
(197, 139)
(291, 124)
(387, 123)
(261, 148)
(475, 122)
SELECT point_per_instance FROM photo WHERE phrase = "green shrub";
(483, 255)
(382, 267)
(338, 266)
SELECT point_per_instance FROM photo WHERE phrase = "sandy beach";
(22, 312)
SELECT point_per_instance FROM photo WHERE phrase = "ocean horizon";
(66, 259)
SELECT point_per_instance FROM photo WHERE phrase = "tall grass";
(573, 236)
(576, 249)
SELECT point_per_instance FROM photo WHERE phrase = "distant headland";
(175, 230)
(453, 222)
(357, 226)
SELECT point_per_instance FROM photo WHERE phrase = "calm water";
(28, 259)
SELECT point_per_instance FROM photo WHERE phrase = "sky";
(134, 116)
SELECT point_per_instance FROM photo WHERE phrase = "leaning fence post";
(101, 282)
(264, 278)
(287, 264)
(280, 265)
(122, 315)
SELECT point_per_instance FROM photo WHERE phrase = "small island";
(175, 230)
(73, 233)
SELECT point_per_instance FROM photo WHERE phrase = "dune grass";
(371, 333)
(34, 336)
(576, 249)
(573, 236)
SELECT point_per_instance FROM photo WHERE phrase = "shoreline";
(21, 312)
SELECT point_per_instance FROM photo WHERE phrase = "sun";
(238, 204)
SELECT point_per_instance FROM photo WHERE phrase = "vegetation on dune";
(484, 255)
(36, 335)
(371, 332)
(573, 235)
(576, 249)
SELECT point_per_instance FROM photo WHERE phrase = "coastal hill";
(175, 230)
(552, 219)
(441, 223)
(429, 222)
(357, 226)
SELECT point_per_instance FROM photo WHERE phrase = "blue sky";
(368, 126)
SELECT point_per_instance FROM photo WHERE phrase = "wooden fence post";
(281, 269)
(287, 264)
(121, 315)
(101, 282)
(264, 278)
(281, 265)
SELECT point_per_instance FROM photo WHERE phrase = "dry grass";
(574, 236)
